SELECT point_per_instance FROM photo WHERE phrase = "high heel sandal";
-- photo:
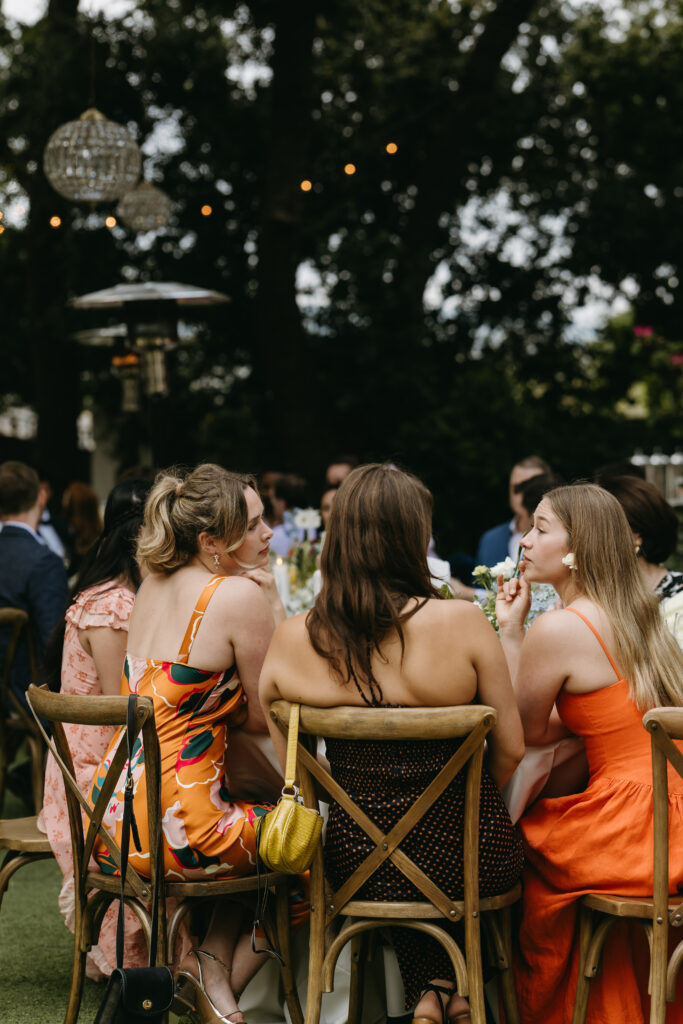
(190, 994)
(460, 1018)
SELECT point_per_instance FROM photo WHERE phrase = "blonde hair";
(606, 571)
(182, 504)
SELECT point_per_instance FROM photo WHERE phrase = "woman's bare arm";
(107, 648)
(506, 739)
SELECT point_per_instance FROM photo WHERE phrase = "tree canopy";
(510, 160)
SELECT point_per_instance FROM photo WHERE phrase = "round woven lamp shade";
(92, 159)
(146, 208)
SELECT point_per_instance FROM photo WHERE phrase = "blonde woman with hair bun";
(199, 631)
(590, 669)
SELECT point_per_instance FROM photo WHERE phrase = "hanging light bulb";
(92, 159)
(146, 208)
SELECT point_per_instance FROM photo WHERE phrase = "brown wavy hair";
(374, 560)
(182, 504)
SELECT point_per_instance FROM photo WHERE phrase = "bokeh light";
(55, 222)
(391, 148)
(206, 210)
(306, 185)
(349, 168)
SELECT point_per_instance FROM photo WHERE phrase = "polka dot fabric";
(385, 779)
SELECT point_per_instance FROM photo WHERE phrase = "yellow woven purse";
(287, 836)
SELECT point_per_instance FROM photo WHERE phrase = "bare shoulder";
(439, 615)
(290, 633)
(241, 600)
(557, 626)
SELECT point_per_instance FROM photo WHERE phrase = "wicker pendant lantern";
(146, 208)
(92, 159)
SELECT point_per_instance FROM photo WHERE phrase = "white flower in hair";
(307, 519)
(569, 560)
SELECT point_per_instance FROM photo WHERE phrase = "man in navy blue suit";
(500, 541)
(31, 576)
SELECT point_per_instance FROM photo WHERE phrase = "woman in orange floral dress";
(202, 622)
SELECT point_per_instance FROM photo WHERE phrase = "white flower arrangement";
(543, 596)
(307, 519)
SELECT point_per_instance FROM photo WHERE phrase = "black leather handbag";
(135, 995)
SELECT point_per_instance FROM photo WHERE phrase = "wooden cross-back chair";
(471, 724)
(14, 718)
(94, 890)
(657, 913)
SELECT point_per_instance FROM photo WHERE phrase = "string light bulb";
(391, 148)
(55, 222)
(206, 210)
(110, 222)
(306, 185)
(349, 169)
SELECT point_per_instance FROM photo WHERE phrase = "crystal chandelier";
(92, 159)
(146, 208)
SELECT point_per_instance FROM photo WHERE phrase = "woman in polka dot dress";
(379, 635)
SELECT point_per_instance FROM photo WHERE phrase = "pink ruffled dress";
(106, 604)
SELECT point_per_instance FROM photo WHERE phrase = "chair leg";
(37, 752)
(658, 968)
(358, 948)
(583, 982)
(506, 980)
(286, 970)
(475, 975)
(315, 964)
(78, 967)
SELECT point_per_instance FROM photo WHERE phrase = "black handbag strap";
(130, 825)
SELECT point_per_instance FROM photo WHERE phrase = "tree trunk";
(282, 368)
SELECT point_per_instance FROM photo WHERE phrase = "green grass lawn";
(36, 949)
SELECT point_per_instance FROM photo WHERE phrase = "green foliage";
(539, 152)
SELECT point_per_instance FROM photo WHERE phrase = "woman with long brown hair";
(591, 669)
(380, 635)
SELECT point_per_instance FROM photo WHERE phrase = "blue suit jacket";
(32, 578)
(493, 545)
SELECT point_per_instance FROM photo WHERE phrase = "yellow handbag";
(287, 836)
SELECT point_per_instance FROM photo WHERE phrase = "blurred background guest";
(290, 493)
(82, 515)
(31, 576)
(654, 526)
(326, 501)
(266, 488)
(339, 467)
(501, 541)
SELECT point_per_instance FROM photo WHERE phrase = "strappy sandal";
(460, 1018)
(190, 994)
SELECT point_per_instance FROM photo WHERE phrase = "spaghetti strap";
(598, 638)
(196, 618)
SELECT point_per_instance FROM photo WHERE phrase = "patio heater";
(149, 331)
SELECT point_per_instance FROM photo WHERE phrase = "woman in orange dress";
(198, 635)
(591, 669)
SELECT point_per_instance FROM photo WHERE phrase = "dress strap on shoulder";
(196, 618)
(598, 638)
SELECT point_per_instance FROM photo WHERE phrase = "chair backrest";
(664, 725)
(60, 708)
(470, 724)
(16, 622)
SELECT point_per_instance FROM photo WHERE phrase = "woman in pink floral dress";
(87, 654)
